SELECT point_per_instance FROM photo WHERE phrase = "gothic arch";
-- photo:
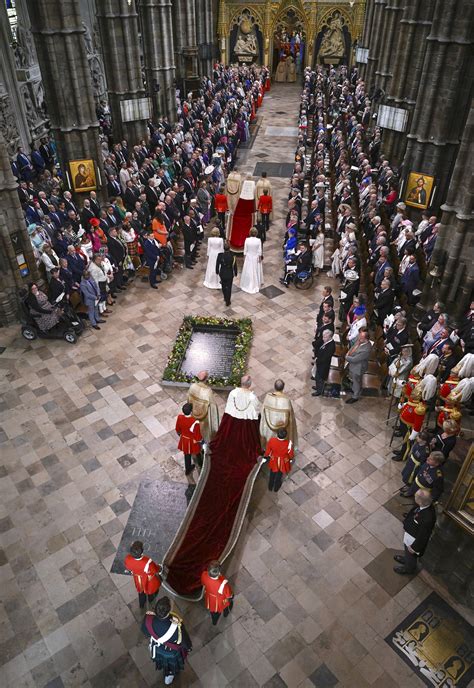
(283, 11)
(328, 14)
(254, 14)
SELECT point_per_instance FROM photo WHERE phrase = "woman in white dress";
(318, 252)
(251, 278)
(215, 245)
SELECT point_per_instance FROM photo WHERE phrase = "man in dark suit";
(130, 197)
(327, 298)
(395, 338)
(152, 250)
(384, 300)
(410, 279)
(75, 263)
(95, 205)
(152, 196)
(117, 252)
(190, 238)
(418, 526)
(226, 268)
(323, 361)
(113, 187)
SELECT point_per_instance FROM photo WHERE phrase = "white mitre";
(242, 403)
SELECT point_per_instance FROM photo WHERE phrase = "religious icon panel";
(83, 175)
(419, 189)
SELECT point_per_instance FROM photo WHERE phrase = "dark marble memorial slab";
(210, 349)
(437, 643)
(271, 292)
(156, 515)
(274, 169)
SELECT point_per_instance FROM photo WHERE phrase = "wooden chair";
(371, 384)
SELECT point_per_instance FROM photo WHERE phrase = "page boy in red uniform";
(190, 438)
(218, 594)
(280, 453)
(265, 206)
(145, 572)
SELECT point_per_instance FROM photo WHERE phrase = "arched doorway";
(289, 40)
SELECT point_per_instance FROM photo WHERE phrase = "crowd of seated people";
(380, 256)
(160, 195)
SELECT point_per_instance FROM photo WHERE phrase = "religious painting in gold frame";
(460, 506)
(418, 190)
(83, 175)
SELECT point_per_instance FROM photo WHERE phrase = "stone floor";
(82, 425)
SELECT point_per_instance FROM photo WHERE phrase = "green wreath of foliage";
(172, 372)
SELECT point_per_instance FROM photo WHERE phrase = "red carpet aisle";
(213, 520)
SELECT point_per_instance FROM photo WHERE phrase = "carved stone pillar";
(13, 123)
(408, 57)
(59, 40)
(30, 83)
(185, 42)
(375, 41)
(93, 50)
(118, 24)
(367, 35)
(443, 96)
(205, 35)
(454, 248)
(16, 253)
(156, 19)
(391, 19)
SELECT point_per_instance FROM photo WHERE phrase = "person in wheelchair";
(297, 265)
(45, 314)
(48, 313)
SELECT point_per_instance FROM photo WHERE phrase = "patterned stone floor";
(82, 425)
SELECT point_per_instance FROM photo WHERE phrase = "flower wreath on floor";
(173, 372)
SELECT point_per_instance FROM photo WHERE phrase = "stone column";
(444, 94)
(16, 252)
(205, 35)
(384, 71)
(454, 248)
(59, 40)
(375, 41)
(118, 25)
(409, 53)
(13, 122)
(29, 76)
(367, 35)
(156, 20)
(93, 50)
(185, 43)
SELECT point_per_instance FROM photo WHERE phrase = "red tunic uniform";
(413, 414)
(144, 572)
(281, 453)
(449, 412)
(448, 386)
(217, 591)
(189, 432)
(220, 203)
(265, 204)
(413, 379)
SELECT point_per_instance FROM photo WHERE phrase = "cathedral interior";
(124, 125)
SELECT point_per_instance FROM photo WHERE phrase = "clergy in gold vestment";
(201, 396)
(277, 412)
